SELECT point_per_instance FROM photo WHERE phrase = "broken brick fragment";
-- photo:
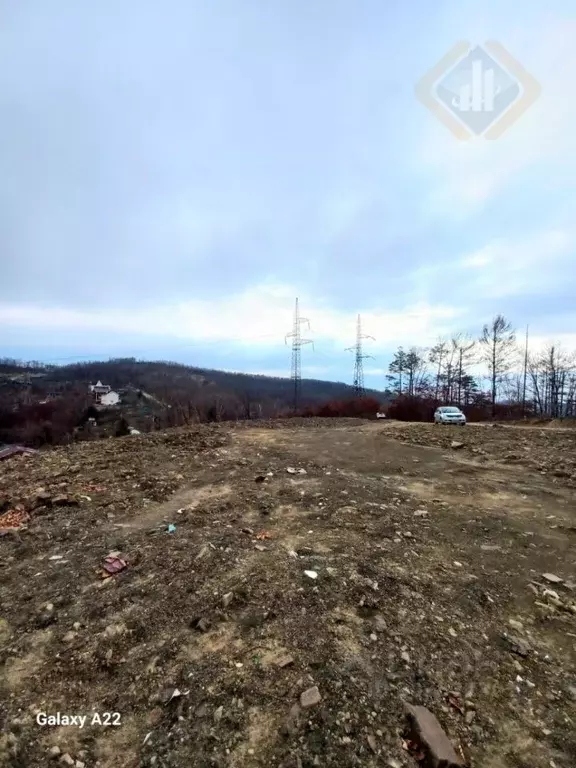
(427, 733)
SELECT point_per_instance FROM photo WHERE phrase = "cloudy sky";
(173, 174)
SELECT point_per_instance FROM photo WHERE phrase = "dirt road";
(380, 563)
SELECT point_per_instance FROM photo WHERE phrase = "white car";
(380, 415)
(449, 414)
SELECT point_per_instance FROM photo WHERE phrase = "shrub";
(122, 427)
(354, 407)
(405, 408)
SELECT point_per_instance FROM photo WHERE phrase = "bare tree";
(498, 348)
(415, 366)
(570, 407)
(450, 371)
(525, 375)
(451, 358)
(463, 347)
(553, 381)
(437, 356)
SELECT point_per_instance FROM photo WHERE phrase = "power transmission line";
(297, 344)
(358, 363)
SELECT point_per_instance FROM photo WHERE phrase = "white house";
(110, 398)
(99, 389)
(103, 394)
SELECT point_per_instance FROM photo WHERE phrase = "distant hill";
(49, 404)
(164, 378)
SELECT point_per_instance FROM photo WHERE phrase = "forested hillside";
(51, 404)
(169, 380)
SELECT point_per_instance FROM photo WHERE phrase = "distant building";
(110, 398)
(98, 390)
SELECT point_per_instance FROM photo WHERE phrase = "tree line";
(496, 369)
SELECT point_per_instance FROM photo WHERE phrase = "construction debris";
(7, 451)
(113, 564)
(552, 578)
(310, 698)
(14, 518)
(433, 745)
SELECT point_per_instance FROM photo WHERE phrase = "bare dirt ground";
(430, 560)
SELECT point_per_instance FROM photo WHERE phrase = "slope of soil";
(429, 589)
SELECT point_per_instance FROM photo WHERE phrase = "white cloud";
(564, 341)
(261, 316)
(340, 212)
(464, 193)
(479, 259)
(507, 267)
